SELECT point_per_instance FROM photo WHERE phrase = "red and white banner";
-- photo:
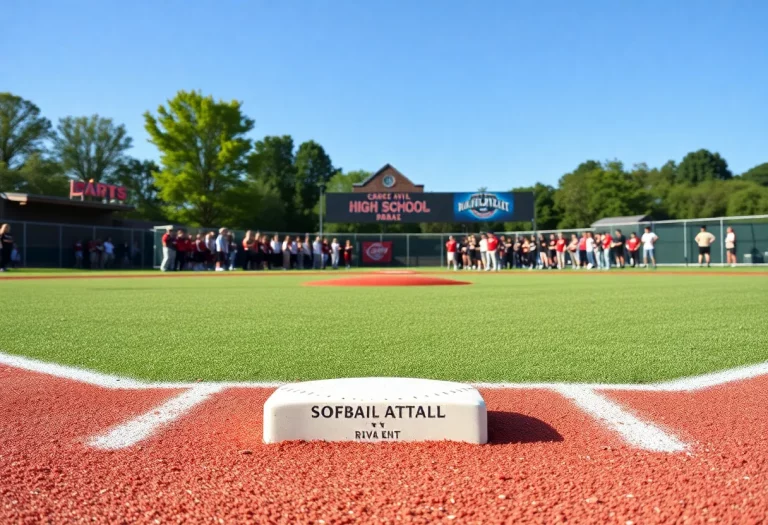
(377, 252)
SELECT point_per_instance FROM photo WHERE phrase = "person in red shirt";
(492, 244)
(607, 242)
(633, 245)
(560, 245)
(169, 252)
(583, 250)
(348, 249)
(79, 255)
(450, 248)
(181, 250)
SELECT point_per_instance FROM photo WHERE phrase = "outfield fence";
(50, 245)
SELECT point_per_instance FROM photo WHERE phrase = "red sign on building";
(78, 188)
(377, 252)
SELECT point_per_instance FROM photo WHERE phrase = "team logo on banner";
(483, 206)
(377, 252)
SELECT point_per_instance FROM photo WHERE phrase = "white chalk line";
(635, 431)
(140, 428)
(685, 384)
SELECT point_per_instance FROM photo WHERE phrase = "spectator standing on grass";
(483, 251)
(286, 248)
(573, 251)
(232, 251)
(492, 255)
(306, 251)
(598, 251)
(619, 242)
(704, 241)
(326, 252)
(210, 250)
(181, 250)
(450, 253)
(543, 246)
(633, 247)
(649, 242)
(560, 248)
(295, 253)
(730, 246)
(607, 247)
(317, 253)
(78, 254)
(552, 251)
(335, 253)
(247, 243)
(109, 253)
(348, 249)
(590, 251)
(169, 253)
(222, 250)
(276, 251)
(583, 250)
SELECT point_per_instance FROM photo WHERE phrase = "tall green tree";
(90, 148)
(203, 151)
(37, 175)
(699, 166)
(758, 174)
(272, 163)
(22, 130)
(138, 177)
(313, 167)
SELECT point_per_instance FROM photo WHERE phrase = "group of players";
(209, 251)
(590, 250)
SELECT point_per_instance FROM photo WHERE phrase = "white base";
(376, 409)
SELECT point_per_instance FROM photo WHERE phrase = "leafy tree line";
(210, 172)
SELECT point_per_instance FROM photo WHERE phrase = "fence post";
(25, 262)
(685, 242)
(61, 246)
(407, 250)
(442, 254)
(722, 244)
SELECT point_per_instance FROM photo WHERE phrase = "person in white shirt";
(317, 253)
(222, 250)
(590, 243)
(649, 240)
(730, 246)
(295, 253)
(286, 247)
(109, 253)
(484, 251)
(276, 250)
(335, 253)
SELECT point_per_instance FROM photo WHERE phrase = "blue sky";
(455, 94)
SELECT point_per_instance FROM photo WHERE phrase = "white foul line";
(137, 429)
(635, 431)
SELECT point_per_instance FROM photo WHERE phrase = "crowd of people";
(98, 254)
(221, 252)
(590, 250)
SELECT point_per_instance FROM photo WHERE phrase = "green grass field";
(525, 326)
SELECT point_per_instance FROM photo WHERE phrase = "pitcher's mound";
(387, 280)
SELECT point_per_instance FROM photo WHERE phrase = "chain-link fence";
(49, 245)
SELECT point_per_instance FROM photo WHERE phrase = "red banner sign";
(377, 252)
(78, 188)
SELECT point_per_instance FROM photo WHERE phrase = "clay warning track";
(548, 461)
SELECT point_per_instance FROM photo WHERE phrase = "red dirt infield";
(547, 462)
(381, 279)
